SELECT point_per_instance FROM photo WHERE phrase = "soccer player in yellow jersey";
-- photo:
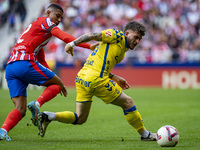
(95, 79)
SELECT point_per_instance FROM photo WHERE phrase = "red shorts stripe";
(34, 65)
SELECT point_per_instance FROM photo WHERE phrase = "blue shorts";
(20, 74)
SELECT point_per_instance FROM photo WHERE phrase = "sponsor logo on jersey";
(20, 47)
(108, 33)
(88, 62)
(82, 81)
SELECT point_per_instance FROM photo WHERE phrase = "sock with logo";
(11, 120)
(134, 118)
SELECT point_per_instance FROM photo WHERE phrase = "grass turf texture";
(106, 127)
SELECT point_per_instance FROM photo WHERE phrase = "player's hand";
(121, 82)
(63, 91)
(69, 49)
(93, 46)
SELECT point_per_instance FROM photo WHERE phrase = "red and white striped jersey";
(32, 40)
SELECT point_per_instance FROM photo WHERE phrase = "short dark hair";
(135, 26)
(55, 6)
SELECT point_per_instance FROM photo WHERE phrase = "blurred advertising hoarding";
(162, 77)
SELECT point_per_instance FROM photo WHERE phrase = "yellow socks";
(67, 117)
(134, 118)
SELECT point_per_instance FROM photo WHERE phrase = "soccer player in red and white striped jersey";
(27, 65)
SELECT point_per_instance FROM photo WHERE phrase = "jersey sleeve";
(47, 24)
(55, 31)
(112, 36)
(109, 36)
(52, 28)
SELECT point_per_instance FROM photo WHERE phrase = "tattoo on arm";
(88, 37)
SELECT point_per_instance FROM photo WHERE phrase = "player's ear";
(126, 33)
(47, 13)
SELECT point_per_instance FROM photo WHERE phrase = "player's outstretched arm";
(82, 39)
(67, 37)
(88, 37)
(120, 81)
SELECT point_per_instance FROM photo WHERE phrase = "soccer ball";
(167, 136)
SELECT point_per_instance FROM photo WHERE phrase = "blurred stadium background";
(168, 56)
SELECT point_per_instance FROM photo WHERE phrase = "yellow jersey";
(107, 54)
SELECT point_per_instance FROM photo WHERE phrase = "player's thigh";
(38, 74)
(54, 80)
(108, 90)
(30, 72)
(83, 102)
(83, 94)
(16, 86)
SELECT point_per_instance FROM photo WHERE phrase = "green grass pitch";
(106, 128)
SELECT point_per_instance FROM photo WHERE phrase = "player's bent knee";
(81, 121)
(56, 87)
(129, 103)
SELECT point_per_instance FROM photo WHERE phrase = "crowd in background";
(172, 28)
(8, 11)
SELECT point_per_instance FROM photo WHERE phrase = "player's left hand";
(121, 82)
(69, 49)
(93, 46)
(63, 91)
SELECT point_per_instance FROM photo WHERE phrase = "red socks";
(15, 116)
(12, 119)
(49, 93)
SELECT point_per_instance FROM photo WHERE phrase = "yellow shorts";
(88, 86)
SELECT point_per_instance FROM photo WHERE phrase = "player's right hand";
(69, 49)
(121, 82)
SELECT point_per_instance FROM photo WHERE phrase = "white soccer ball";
(167, 136)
